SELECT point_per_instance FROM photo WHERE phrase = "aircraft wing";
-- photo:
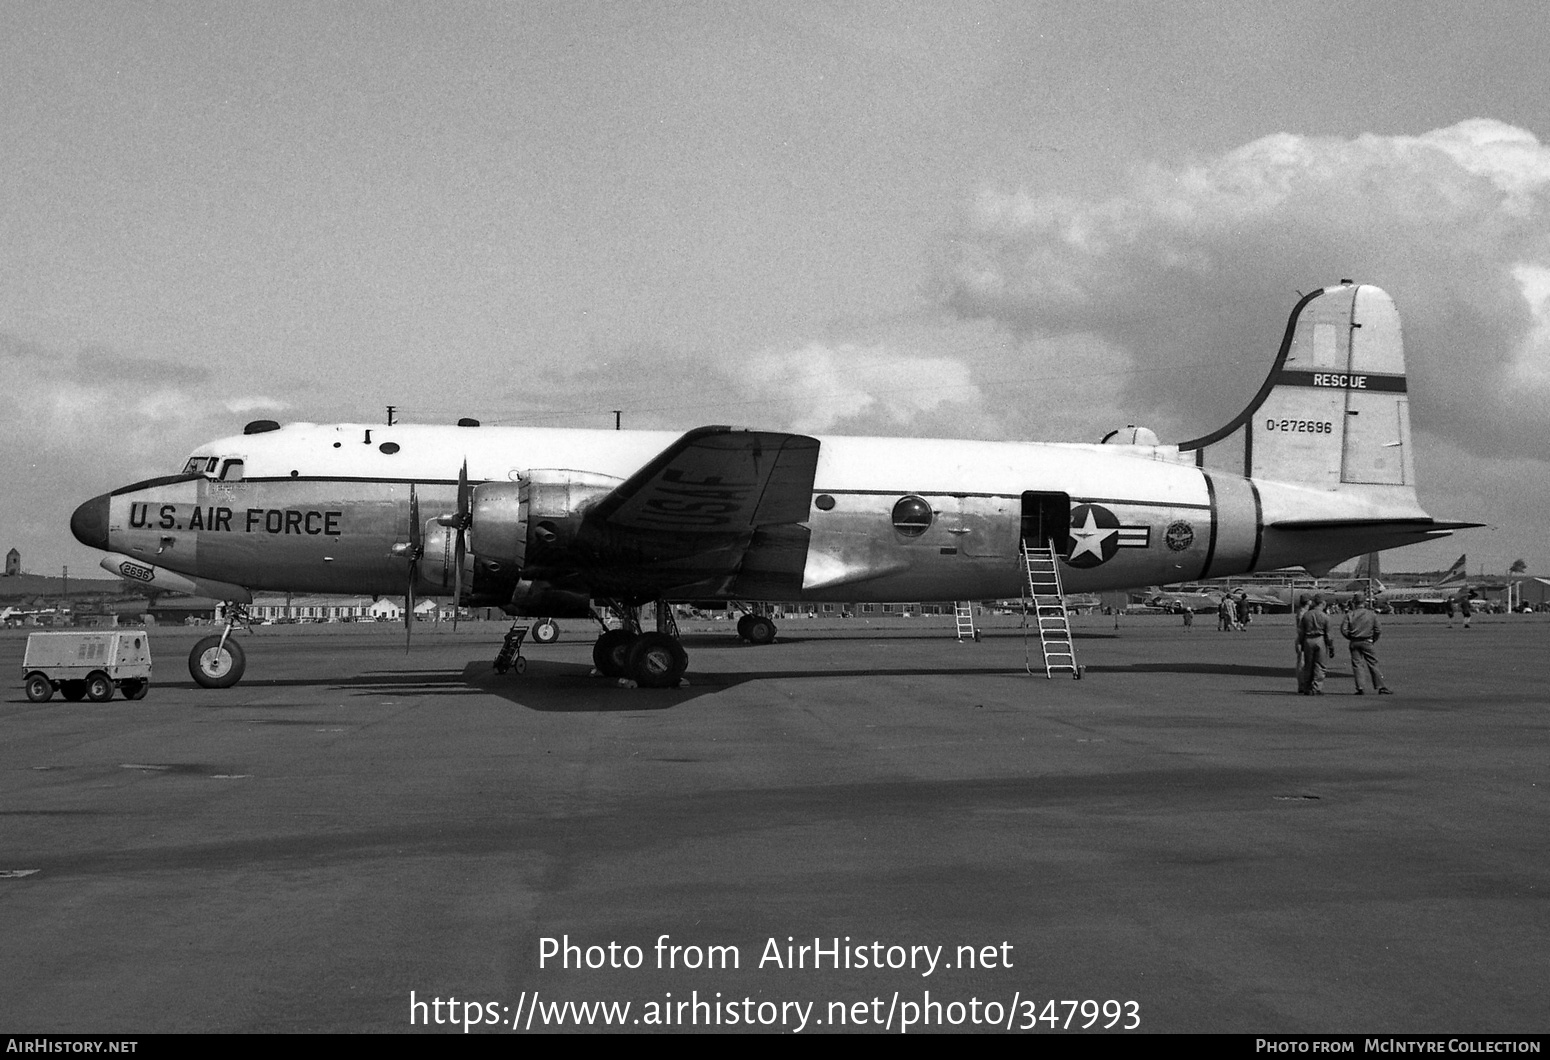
(717, 480)
(718, 512)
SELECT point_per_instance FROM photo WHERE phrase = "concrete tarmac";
(354, 836)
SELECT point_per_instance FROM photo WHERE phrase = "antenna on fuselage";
(617, 414)
(391, 409)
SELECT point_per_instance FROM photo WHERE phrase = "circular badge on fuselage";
(1179, 536)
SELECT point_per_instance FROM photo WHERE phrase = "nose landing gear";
(217, 661)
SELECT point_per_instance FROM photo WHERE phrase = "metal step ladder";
(1044, 604)
(963, 614)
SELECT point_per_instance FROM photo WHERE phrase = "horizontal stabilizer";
(1423, 526)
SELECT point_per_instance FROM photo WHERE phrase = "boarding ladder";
(1044, 603)
(963, 613)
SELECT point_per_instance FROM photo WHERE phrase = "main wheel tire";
(135, 687)
(39, 688)
(74, 691)
(214, 665)
(99, 687)
(611, 652)
(545, 632)
(760, 630)
(657, 660)
(742, 626)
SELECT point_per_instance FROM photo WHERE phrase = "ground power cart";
(81, 665)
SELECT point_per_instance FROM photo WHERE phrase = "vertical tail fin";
(1334, 411)
(1455, 578)
(1365, 577)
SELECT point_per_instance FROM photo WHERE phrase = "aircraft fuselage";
(319, 508)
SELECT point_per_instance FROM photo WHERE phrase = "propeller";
(412, 552)
(459, 521)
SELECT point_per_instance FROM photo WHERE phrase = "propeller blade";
(457, 578)
(460, 545)
(416, 549)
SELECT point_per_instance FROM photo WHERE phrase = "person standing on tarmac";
(1303, 603)
(1361, 631)
(1467, 607)
(1313, 630)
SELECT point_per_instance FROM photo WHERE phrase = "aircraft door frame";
(1046, 518)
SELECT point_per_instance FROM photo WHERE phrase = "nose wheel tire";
(545, 632)
(216, 665)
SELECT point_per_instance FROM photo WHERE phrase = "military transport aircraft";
(580, 523)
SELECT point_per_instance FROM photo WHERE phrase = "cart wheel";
(134, 687)
(39, 688)
(99, 687)
(74, 691)
(520, 666)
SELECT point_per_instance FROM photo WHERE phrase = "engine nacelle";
(512, 520)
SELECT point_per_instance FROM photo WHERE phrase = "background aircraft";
(1454, 585)
(569, 523)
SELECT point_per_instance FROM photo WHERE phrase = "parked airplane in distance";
(1451, 586)
(574, 523)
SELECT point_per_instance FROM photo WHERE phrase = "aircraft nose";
(89, 524)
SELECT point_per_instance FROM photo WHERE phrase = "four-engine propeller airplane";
(1318, 467)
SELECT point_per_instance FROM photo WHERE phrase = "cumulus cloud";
(100, 417)
(884, 387)
(858, 389)
(1191, 269)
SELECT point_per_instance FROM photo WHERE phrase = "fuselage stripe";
(1205, 569)
(1259, 526)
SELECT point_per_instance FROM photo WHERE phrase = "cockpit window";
(200, 465)
(231, 471)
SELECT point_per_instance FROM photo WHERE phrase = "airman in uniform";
(1313, 632)
(1361, 631)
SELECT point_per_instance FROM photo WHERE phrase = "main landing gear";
(218, 661)
(756, 629)
(652, 659)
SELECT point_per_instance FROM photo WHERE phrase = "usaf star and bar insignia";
(1096, 536)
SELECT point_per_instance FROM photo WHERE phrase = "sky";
(1023, 220)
